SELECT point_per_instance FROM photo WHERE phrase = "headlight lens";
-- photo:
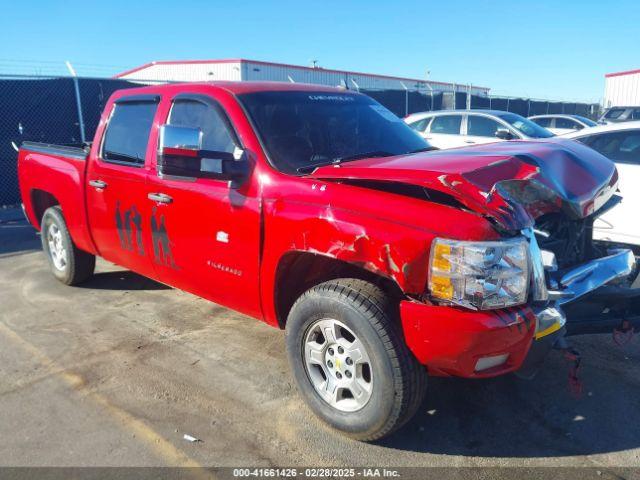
(480, 275)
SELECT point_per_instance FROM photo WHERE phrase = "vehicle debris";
(190, 438)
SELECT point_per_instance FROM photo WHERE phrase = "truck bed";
(78, 151)
(55, 175)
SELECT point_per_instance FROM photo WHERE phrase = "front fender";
(397, 252)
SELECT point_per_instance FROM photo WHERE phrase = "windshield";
(529, 128)
(301, 130)
(588, 122)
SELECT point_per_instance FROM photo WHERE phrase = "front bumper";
(457, 341)
(451, 340)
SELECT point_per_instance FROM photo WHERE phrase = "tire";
(68, 263)
(359, 315)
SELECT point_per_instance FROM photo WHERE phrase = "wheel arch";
(298, 271)
(41, 200)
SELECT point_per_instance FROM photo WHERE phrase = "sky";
(556, 50)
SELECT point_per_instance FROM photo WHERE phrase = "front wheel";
(350, 361)
(68, 263)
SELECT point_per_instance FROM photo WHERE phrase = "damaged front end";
(578, 286)
(547, 193)
(551, 194)
(596, 286)
(599, 295)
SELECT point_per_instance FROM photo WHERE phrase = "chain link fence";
(45, 109)
(67, 110)
(406, 102)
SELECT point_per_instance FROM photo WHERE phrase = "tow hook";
(573, 356)
(623, 334)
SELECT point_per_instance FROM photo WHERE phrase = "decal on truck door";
(162, 252)
(129, 229)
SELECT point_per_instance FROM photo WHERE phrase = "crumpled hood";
(511, 182)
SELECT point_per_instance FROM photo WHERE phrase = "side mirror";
(504, 134)
(181, 155)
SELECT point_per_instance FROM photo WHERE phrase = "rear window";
(614, 113)
(523, 125)
(543, 122)
(420, 125)
(449, 124)
(127, 135)
(587, 121)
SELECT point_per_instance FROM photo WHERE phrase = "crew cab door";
(118, 209)
(206, 234)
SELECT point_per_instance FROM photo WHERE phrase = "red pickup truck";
(320, 212)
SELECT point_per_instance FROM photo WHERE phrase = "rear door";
(116, 191)
(206, 234)
(445, 131)
(623, 147)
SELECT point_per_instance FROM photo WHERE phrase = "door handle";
(98, 184)
(469, 141)
(160, 197)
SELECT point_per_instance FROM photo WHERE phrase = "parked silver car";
(458, 128)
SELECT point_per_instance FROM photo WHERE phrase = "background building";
(622, 89)
(253, 70)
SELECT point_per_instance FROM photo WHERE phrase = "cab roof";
(238, 88)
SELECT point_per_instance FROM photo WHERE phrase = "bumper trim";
(594, 274)
(549, 320)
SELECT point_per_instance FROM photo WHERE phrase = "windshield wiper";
(313, 166)
(423, 149)
(346, 158)
(357, 156)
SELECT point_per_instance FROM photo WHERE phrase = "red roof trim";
(619, 74)
(288, 65)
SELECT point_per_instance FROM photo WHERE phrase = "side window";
(420, 125)
(635, 114)
(446, 124)
(618, 146)
(127, 134)
(566, 123)
(480, 126)
(210, 120)
(543, 122)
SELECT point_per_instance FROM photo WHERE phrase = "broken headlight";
(479, 275)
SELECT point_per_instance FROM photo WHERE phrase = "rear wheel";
(350, 361)
(68, 263)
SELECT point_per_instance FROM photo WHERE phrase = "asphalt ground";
(115, 372)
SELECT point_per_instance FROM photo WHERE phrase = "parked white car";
(561, 124)
(458, 128)
(621, 143)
